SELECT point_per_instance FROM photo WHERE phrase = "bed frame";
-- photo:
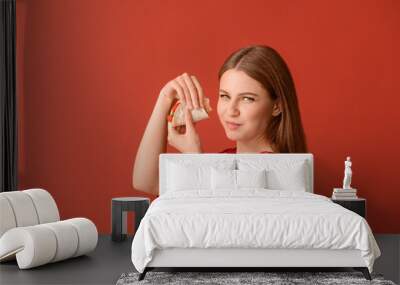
(243, 259)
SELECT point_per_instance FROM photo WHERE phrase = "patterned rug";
(229, 278)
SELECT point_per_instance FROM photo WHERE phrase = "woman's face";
(244, 106)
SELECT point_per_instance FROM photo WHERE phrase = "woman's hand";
(185, 138)
(187, 89)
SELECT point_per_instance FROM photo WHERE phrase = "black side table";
(119, 207)
(356, 205)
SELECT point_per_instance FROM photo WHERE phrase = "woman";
(257, 107)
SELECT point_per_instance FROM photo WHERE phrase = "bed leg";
(364, 271)
(143, 274)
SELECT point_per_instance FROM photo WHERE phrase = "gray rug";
(228, 278)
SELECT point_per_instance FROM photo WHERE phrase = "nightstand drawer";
(357, 205)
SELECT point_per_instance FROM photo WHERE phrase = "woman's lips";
(232, 126)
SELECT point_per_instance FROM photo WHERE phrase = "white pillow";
(251, 178)
(223, 179)
(288, 178)
(184, 175)
(236, 179)
(281, 175)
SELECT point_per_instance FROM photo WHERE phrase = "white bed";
(248, 210)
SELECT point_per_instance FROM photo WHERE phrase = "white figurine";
(347, 174)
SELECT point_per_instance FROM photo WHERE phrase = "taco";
(177, 113)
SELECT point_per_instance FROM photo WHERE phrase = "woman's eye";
(248, 99)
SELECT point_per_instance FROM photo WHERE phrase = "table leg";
(118, 218)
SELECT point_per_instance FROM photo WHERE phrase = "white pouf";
(7, 219)
(31, 232)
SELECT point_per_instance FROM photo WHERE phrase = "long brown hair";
(264, 64)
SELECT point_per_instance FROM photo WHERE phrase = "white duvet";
(250, 218)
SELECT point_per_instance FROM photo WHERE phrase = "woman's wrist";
(164, 104)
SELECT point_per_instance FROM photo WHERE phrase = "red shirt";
(233, 150)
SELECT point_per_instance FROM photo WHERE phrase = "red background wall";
(89, 73)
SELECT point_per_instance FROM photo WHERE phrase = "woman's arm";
(187, 89)
(154, 142)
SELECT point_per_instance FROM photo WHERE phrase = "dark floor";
(111, 259)
(102, 266)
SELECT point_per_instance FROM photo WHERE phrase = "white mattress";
(250, 218)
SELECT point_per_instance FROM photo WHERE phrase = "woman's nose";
(233, 109)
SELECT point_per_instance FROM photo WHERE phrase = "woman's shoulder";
(229, 150)
(233, 150)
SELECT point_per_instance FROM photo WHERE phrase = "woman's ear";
(277, 109)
